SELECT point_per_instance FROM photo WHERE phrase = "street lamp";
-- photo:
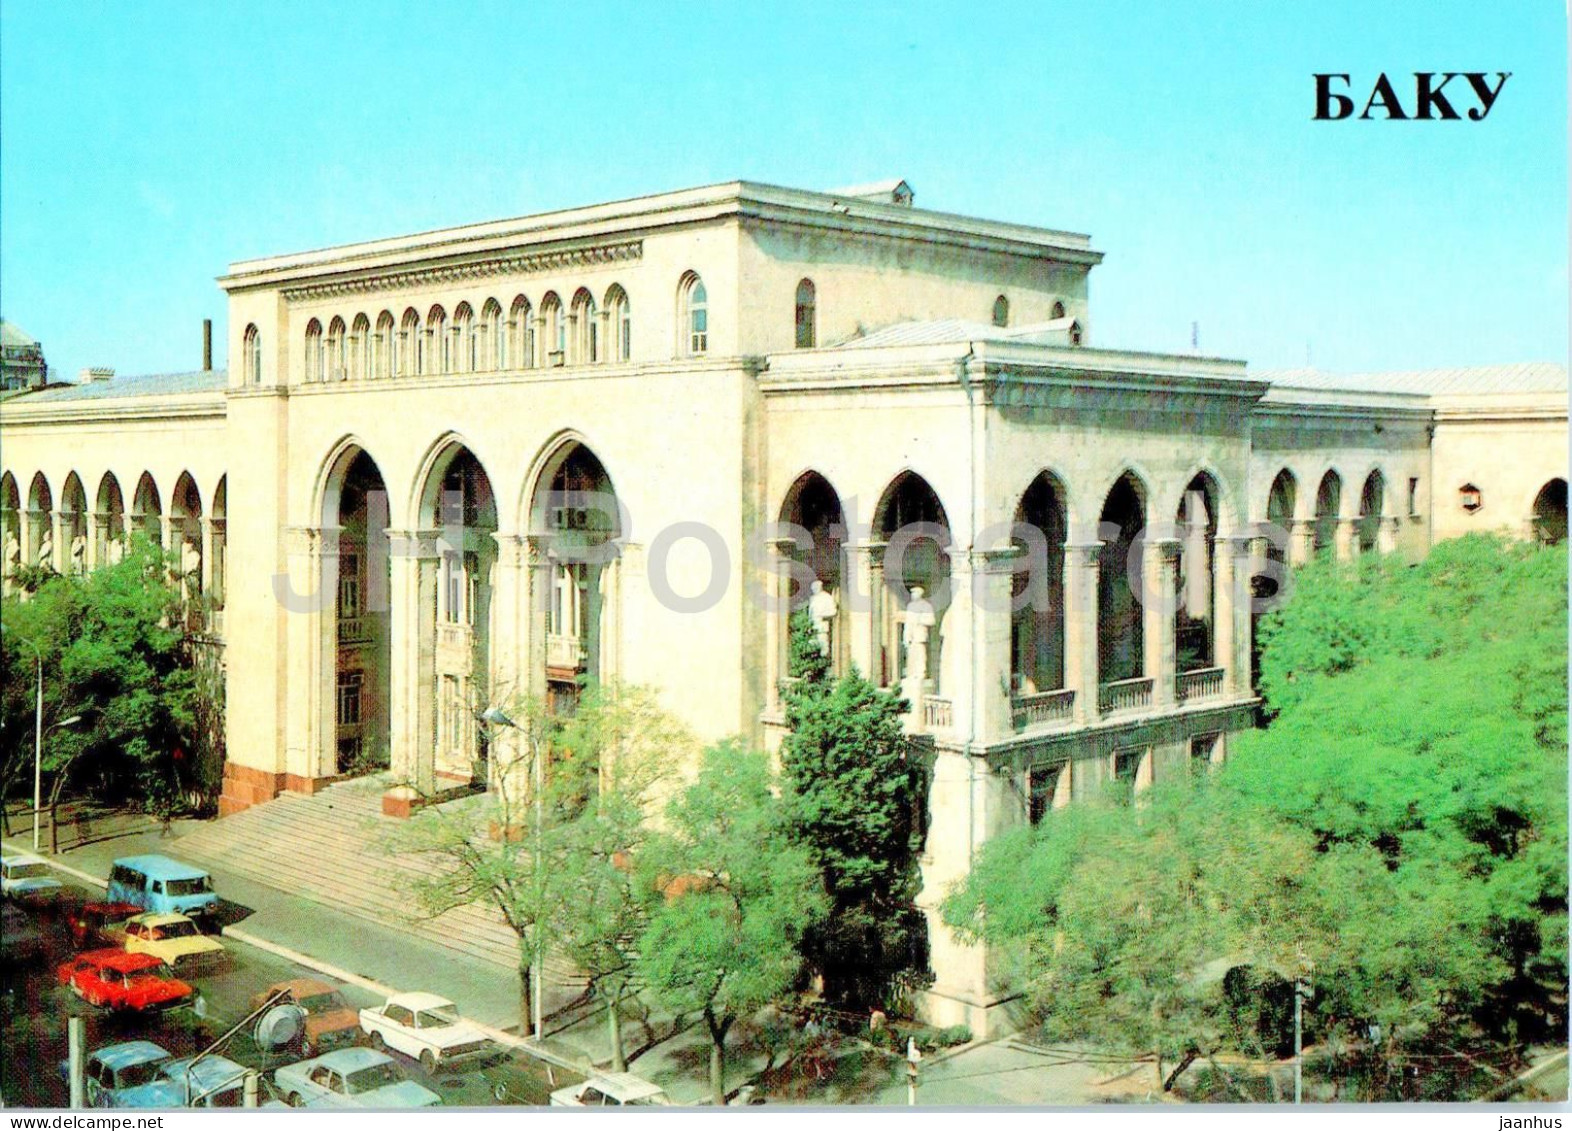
(495, 716)
(38, 739)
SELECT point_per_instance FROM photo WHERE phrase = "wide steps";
(331, 848)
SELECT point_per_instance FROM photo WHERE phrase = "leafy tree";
(553, 859)
(1400, 825)
(857, 800)
(729, 894)
(114, 653)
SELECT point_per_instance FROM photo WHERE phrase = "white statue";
(190, 559)
(918, 619)
(79, 554)
(822, 607)
(46, 551)
(117, 551)
(13, 554)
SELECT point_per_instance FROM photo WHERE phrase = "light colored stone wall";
(1508, 447)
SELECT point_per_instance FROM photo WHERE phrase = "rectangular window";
(1204, 750)
(453, 588)
(1044, 785)
(1127, 770)
(348, 586)
(1413, 498)
(349, 684)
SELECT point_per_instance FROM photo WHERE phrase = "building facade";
(623, 441)
(22, 364)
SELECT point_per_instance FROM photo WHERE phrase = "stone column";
(1346, 539)
(777, 622)
(214, 560)
(413, 645)
(1386, 534)
(65, 527)
(1301, 545)
(1159, 603)
(1232, 646)
(864, 605)
(310, 718)
(1080, 626)
(509, 625)
(538, 565)
(98, 540)
(977, 644)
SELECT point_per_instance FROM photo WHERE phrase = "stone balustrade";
(1201, 684)
(1124, 695)
(1043, 709)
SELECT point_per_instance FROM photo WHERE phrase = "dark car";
(88, 923)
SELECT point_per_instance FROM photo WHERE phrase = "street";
(34, 1009)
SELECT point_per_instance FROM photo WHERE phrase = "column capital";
(1083, 553)
(1164, 549)
(511, 551)
(420, 545)
(999, 559)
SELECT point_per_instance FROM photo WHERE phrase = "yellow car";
(173, 938)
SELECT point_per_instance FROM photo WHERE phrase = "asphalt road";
(34, 1011)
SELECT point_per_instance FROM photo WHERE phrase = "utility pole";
(38, 749)
(75, 1040)
(913, 1055)
(1302, 990)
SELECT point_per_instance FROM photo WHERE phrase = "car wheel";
(294, 1099)
(499, 1092)
(377, 1042)
(428, 1060)
(307, 1049)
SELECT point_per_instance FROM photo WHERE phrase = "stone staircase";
(331, 848)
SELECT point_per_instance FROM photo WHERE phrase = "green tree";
(1400, 825)
(729, 894)
(549, 842)
(115, 654)
(857, 792)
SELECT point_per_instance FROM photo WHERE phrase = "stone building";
(617, 442)
(22, 364)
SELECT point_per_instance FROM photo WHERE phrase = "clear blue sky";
(145, 146)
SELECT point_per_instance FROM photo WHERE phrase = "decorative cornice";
(533, 263)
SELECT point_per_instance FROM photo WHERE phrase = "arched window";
(408, 345)
(335, 350)
(518, 348)
(620, 323)
(694, 331)
(463, 355)
(489, 346)
(253, 354)
(556, 329)
(314, 350)
(1001, 311)
(586, 329)
(1077, 336)
(383, 345)
(359, 348)
(437, 358)
(1058, 310)
(807, 316)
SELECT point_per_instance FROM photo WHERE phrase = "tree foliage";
(1400, 827)
(857, 795)
(729, 893)
(114, 653)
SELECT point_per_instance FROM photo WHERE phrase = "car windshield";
(322, 1003)
(28, 871)
(159, 973)
(177, 930)
(436, 1017)
(135, 1075)
(371, 1078)
(197, 886)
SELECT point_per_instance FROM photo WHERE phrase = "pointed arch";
(807, 315)
(359, 359)
(314, 350)
(1037, 628)
(693, 316)
(147, 510)
(555, 321)
(619, 323)
(913, 524)
(1120, 632)
(586, 328)
(1372, 511)
(517, 348)
(1548, 516)
(490, 346)
(1328, 512)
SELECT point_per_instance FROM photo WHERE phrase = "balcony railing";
(1203, 683)
(564, 652)
(937, 714)
(354, 630)
(1124, 695)
(1045, 708)
(458, 636)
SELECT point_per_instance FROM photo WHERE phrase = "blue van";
(157, 883)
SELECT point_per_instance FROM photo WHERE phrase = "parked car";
(357, 1077)
(20, 939)
(330, 1022)
(521, 1079)
(124, 1075)
(426, 1027)
(174, 938)
(88, 923)
(26, 877)
(157, 883)
(122, 982)
(206, 1081)
(611, 1089)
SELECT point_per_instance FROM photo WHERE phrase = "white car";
(614, 1089)
(350, 1078)
(427, 1028)
(23, 876)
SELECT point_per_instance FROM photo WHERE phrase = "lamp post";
(497, 717)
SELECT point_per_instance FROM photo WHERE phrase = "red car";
(87, 925)
(122, 982)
